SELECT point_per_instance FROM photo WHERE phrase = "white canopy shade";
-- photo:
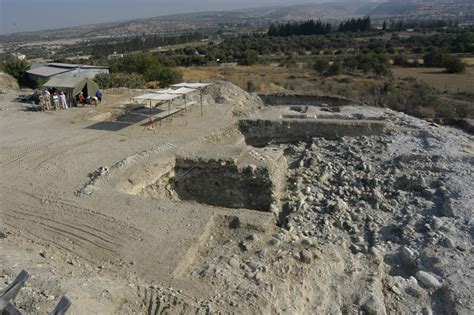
(157, 97)
(145, 96)
(182, 91)
(167, 91)
(191, 85)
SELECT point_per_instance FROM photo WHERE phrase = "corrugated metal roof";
(63, 65)
(70, 65)
(46, 71)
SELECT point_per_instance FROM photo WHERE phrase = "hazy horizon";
(36, 15)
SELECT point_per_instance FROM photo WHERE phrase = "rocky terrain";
(375, 224)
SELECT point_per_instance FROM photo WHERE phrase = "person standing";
(56, 101)
(81, 97)
(47, 99)
(42, 102)
(62, 99)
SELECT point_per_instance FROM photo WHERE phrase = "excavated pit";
(223, 176)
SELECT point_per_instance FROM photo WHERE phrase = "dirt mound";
(223, 92)
(7, 82)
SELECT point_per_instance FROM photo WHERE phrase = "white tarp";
(191, 85)
(167, 91)
(157, 97)
(182, 91)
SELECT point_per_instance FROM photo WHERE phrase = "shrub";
(17, 69)
(435, 58)
(289, 62)
(382, 69)
(321, 65)
(335, 68)
(249, 57)
(401, 60)
(115, 80)
(251, 87)
(454, 64)
(166, 76)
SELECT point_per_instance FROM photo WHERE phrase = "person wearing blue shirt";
(98, 94)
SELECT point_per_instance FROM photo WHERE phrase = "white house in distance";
(114, 56)
(45, 71)
(18, 56)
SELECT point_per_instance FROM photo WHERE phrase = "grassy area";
(437, 78)
(415, 91)
(262, 78)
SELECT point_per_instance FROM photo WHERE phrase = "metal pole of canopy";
(201, 100)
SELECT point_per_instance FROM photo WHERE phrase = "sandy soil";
(371, 225)
(45, 158)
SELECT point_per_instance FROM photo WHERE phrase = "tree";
(17, 69)
(166, 76)
(435, 58)
(454, 64)
(401, 60)
(335, 68)
(249, 57)
(321, 65)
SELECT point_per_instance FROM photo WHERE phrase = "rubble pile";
(373, 224)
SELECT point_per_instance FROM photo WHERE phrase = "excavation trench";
(262, 132)
(233, 178)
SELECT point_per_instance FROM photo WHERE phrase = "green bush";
(115, 80)
(454, 65)
(321, 65)
(249, 57)
(17, 69)
(401, 60)
(165, 75)
(435, 58)
(335, 69)
(147, 66)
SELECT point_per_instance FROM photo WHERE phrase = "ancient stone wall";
(260, 133)
(300, 99)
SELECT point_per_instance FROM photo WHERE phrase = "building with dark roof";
(43, 72)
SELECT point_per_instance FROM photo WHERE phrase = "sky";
(35, 15)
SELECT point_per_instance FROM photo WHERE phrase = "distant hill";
(328, 10)
(257, 18)
(190, 22)
(435, 9)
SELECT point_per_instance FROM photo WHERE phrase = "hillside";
(438, 9)
(203, 21)
(256, 19)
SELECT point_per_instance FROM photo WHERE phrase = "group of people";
(47, 101)
(90, 100)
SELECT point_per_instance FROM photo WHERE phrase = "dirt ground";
(437, 78)
(368, 225)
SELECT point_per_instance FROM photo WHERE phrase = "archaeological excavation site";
(251, 204)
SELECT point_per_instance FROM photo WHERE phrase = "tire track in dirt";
(81, 230)
(55, 231)
(36, 155)
(60, 222)
(47, 242)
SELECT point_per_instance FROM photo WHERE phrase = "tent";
(72, 85)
